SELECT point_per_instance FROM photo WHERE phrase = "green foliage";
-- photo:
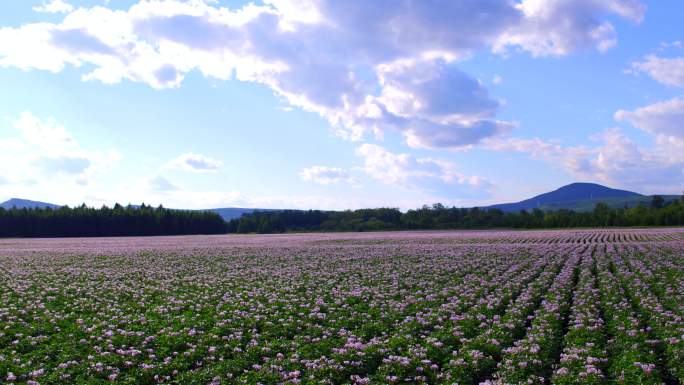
(146, 220)
(437, 216)
(657, 202)
(85, 221)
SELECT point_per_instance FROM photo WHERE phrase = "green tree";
(657, 202)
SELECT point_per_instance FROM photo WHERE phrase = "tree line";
(85, 221)
(437, 216)
(143, 220)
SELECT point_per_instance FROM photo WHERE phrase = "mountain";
(228, 213)
(579, 197)
(25, 203)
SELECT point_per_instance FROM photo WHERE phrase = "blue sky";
(336, 105)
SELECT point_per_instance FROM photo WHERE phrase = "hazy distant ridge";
(575, 196)
(228, 213)
(26, 204)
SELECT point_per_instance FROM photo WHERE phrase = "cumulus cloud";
(43, 149)
(620, 161)
(325, 175)
(665, 119)
(195, 163)
(614, 159)
(367, 67)
(668, 71)
(435, 105)
(558, 27)
(54, 6)
(405, 170)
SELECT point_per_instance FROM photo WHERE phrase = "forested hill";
(576, 195)
(657, 213)
(117, 221)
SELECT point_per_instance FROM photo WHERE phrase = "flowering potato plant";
(441, 307)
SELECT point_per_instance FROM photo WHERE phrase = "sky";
(331, 104)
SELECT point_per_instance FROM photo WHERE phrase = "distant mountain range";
(228, 213)
(575, 196)
(25, 203)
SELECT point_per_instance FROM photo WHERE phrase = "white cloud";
(620, 161)
(161, 184)
(538, 148)
(664, 119)
(194, 199)
(677, 44)
(42, 149)
(325, 175)
(558, 27)
(54, 6)
(497, 79)
(434, 104)
(404, 170)
(46, 135)
(195, 163)
(614, 159)
(668, 71)
(367, 67)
